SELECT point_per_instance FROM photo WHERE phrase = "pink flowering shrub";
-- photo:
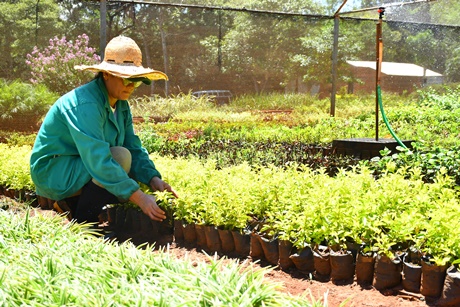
(54, 65)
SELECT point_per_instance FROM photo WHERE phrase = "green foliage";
(443, 98)
(272, 101)
(40, 253)
(228, 152)
(396, 210)
(237, 133)
(160, 108)
(431, 161)
(14, 168)
(308, 207)
(24, 24)
(17, 138)
(18, 99)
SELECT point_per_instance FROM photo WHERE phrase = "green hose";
(379, 97)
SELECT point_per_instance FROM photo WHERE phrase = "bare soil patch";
(296, 283)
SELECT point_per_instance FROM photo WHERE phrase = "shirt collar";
(121, 105)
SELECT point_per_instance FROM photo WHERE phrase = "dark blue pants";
(91, 201)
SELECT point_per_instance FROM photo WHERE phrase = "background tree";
(24, 24)
(202, 48)
(80, 17)
(171, 38)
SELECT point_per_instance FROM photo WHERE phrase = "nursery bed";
(294, 282)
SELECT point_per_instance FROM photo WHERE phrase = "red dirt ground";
(296, 283)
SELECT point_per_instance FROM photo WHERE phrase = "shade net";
(253, 48)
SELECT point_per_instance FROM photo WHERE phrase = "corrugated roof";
(397, 69)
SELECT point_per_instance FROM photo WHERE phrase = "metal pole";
(335, 51)
(103, 27)
(219, 41)
(36, 22)
(335, 48)
(379, 56)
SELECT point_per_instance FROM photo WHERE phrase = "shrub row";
(309, 207)
(22, 105)
(302, 205)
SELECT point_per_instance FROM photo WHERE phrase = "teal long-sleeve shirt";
(73, 146)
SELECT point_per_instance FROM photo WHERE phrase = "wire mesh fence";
(252, 48)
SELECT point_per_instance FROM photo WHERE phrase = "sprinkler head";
(381, 12)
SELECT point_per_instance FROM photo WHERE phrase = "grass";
(427, 116)
(423, 116)
(45, 262)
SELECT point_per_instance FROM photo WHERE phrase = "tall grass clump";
(273, 101)
(169, 107)
(47, 263)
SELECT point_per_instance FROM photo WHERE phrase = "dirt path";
(295, 283)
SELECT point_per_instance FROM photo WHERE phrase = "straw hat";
(123, 58)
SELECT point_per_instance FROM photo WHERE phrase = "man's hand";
(159, 185)
(148, 205)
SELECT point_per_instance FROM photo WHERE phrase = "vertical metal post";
(379, 56)
(103, 27)
(36, 21)
(335, 48)
(219, 41)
